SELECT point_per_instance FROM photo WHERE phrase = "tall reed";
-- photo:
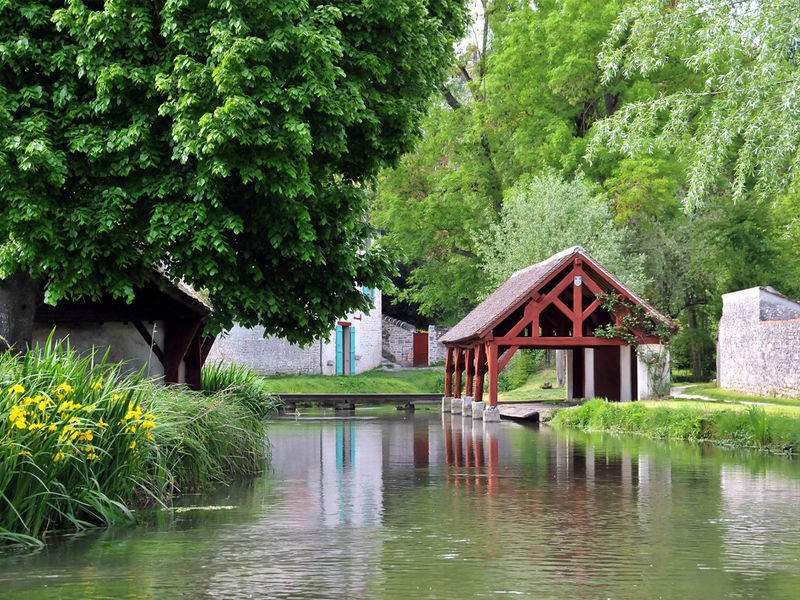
(80, 442)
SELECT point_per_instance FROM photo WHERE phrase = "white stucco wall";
(123, 342)
(273, 355)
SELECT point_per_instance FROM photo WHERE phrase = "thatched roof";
(519, 286)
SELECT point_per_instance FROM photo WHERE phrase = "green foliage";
(80, 443)
(228, 142)
(377, 381)
(242, 385)
(733, 121)
(750, 428)
(522, 365)
(543, 215)
(634, 321)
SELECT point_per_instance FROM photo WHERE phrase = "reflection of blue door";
(345, 350)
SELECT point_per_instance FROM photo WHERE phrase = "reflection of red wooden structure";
(420, 349)
(552, 304)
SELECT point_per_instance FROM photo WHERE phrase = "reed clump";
(81, 442)
(750, 428)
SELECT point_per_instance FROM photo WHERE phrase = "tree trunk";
(561, 364)
(19, 296)
(697, 359)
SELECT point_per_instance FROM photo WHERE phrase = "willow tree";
(225, 142)
(736, 120)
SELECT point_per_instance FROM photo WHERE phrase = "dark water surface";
(433, 506)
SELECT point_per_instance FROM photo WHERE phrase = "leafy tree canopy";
(736, 122)
(543, 215)
(226, 142)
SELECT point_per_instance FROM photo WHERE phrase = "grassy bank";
(532, 389)
(742, 426)
(80, 443)
(712, 391)
(378, 381)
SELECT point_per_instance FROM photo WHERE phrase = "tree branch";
(452, 101)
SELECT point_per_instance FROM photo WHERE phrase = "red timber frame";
(489, 354)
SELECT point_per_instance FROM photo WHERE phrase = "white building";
(354, 346)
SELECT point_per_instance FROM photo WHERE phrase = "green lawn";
(400, 381)
(712, 391)
(531, 389)
(771, 409)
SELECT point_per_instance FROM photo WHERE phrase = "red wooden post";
(577, 300)
(480, 371)
(470, 368)
(448, 373)
(491, 358)
(459, 363)
(178, 336)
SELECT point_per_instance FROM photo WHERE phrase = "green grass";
(400, 381)
(80, 443)
(531, 389)
(730, 425)
(712, 391)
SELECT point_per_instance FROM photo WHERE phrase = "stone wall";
(398, 341)
(273, 355)
(758, 350)
(267, 356)
(437, 351)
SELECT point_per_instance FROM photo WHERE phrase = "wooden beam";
(178, 336)
(591, 308)
(480, 371)
(459, 368)
(470, 370)
(507, 357)
(448, 372)
(491, 359)
(577, 300)
(563, 308)
(149, 340)
(193, 362)
(560, 342)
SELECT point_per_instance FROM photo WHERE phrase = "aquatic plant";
(753, 428)
(80, 442)
(242, 384)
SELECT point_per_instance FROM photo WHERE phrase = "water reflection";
(441, 506)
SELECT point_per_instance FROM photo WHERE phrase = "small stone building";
(405, 345)
(354, 346)
(758, 351)
(161, 330)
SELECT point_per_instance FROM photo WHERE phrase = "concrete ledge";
(455, 406)
(446, 400)
(466, 406)
(491, 414)
(477, 409)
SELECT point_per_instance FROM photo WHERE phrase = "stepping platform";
(530, 412)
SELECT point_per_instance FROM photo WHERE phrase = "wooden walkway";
(334, 400)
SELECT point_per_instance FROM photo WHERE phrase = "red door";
(421, 349)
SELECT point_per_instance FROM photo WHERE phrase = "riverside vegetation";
(753, 426)
(81, 443)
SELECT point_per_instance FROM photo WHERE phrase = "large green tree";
(523, 100)
(225, 142)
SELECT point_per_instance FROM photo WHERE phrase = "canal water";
(438, 506)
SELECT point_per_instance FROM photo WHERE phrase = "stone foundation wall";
(398, 341)
(759, 343)
(437, 351)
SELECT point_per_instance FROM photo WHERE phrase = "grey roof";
(517, 288)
